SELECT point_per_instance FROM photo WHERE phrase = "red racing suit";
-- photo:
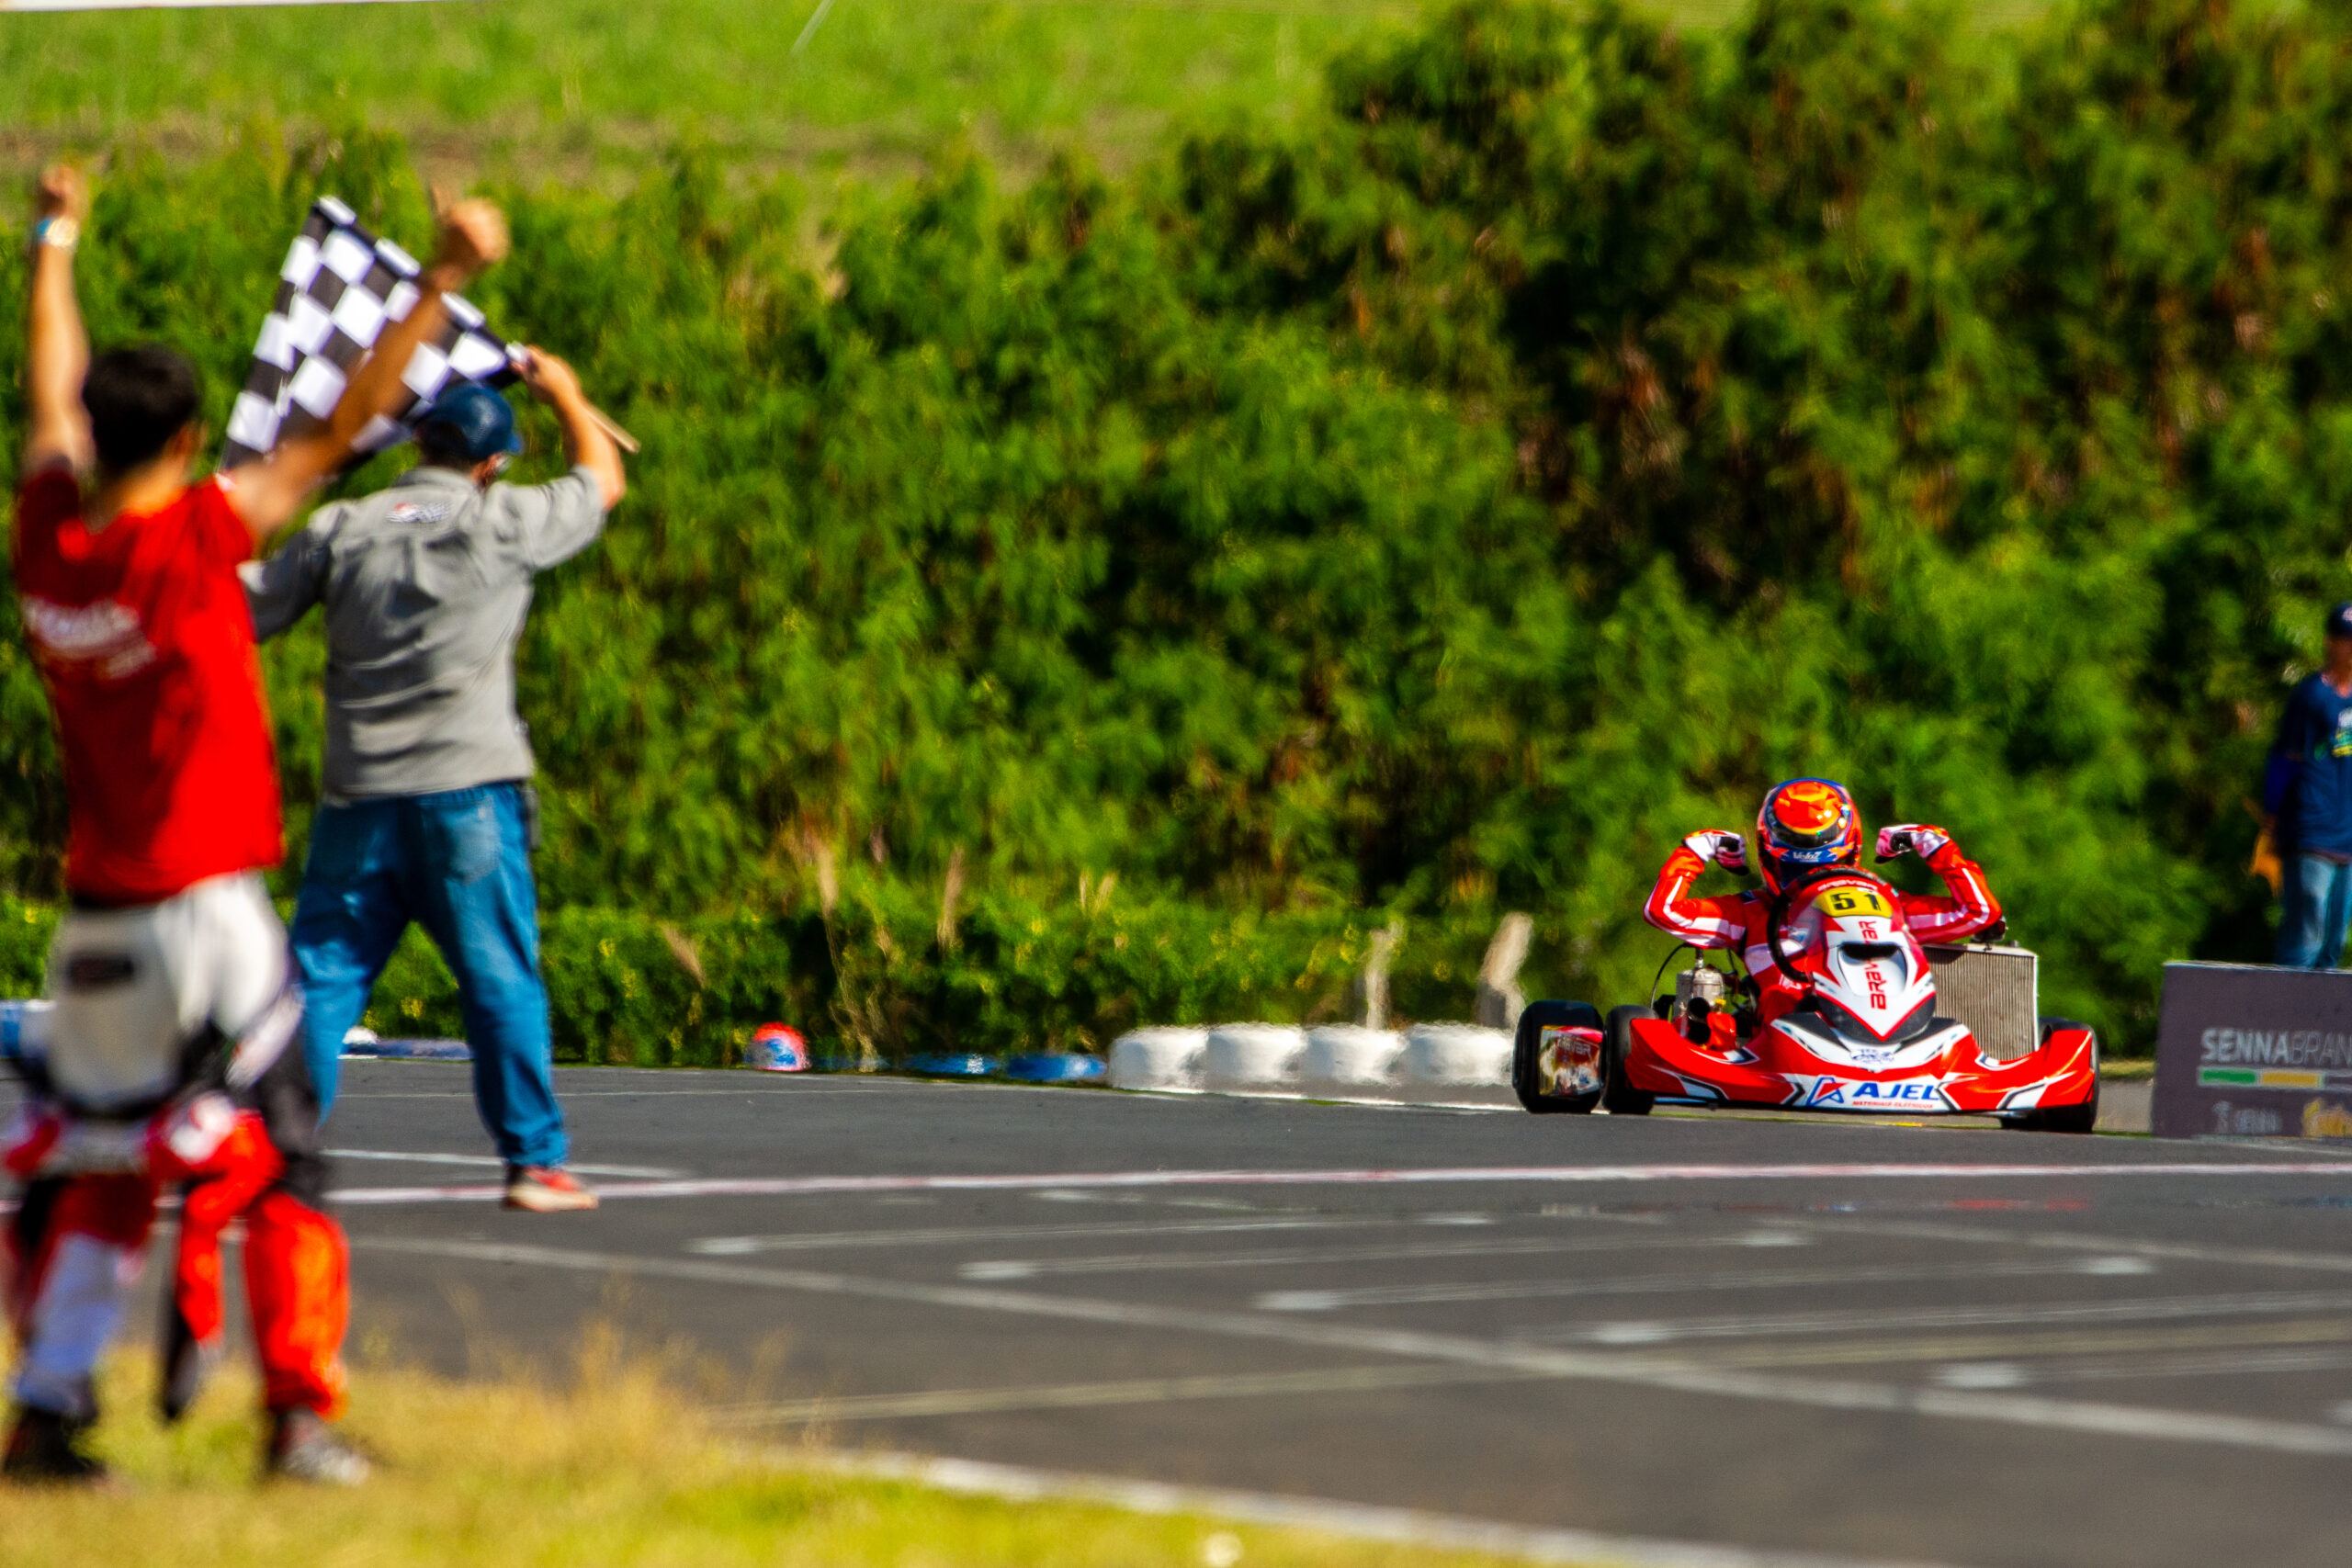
(237, 1138)
(171, 1055)
(1742, 922)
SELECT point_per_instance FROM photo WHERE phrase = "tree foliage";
(1441, 505)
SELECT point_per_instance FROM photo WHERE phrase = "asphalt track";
(1870, 1342)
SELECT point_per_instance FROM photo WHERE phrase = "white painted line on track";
(1359, 1102)
(1649, 1284)
(2155, 1309)
(2017, 1347)
(2083, 1241)
(1088, 1395)
(1680, 1376)
(2200, 1350)
(818, 1241)
(799, 1186)
(570, 1094)
(403, 1157)
(1158, 1262)
(2219, 1364)
(1362, 1521)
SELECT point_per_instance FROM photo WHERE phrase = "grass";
(613, 1470)
(569, 89)
(592, 91)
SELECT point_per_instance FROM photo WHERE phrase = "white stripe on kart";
(1646, 1370)
(799, 1186)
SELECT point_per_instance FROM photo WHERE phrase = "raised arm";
(1969, 906)
(584, 440)
(267, 493)
(1701, 922)
(57, 349)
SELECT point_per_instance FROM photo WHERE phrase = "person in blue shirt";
(2307, 805)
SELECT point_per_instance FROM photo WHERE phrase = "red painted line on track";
(799, 1186)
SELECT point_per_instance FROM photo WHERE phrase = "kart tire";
(1617, 1097)
(2083, 1118)
(1526, 1077)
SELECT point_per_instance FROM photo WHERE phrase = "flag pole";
(517, 355)
(621, 438)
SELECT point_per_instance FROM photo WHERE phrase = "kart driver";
(171, 1055)
(1807, 828)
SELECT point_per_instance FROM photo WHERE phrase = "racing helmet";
(1806, 825)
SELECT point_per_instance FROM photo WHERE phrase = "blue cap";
(2339, 620)
(471, 419)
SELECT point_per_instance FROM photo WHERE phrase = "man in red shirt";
(173, 1007)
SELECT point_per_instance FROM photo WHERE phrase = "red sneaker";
(546, 1190)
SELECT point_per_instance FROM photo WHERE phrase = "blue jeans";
(2315, 907)
(457, 864)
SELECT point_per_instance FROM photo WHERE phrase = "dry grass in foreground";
(616, 1470)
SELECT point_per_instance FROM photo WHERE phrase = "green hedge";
(1024, 974)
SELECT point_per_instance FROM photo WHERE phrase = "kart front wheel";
(1617, 1097)
(1526, 1056)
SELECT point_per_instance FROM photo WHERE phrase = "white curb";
(1260, 1055)
(1456, 1054)
(1157, 1058)
(1251, 1055)
(1349, 1053)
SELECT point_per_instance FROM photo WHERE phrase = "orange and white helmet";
(1806, 825)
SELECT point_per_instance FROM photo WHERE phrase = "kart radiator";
(1991, 989)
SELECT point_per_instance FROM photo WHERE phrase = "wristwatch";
(58, 229)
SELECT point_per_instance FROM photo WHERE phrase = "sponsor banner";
(2250, 1051)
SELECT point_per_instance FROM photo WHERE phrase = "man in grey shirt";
(428, 814)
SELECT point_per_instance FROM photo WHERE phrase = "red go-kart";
(1863, 1035)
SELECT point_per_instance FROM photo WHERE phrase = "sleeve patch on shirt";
(417, 513)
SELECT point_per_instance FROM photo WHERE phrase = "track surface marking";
(1849, 1341)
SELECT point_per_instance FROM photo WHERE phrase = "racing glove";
(1718, 847)
(1911, 838)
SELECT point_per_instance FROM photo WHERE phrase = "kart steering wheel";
(1776, 914)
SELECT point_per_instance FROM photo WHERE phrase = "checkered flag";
(338, 288)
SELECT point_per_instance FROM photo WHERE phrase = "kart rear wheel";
(1526, 1076)
(2083, 1118)
(1617, 1097)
